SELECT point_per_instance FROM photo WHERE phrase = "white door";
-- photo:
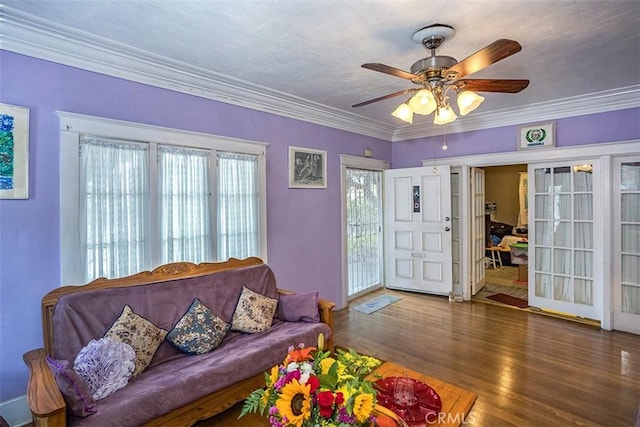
(626, 244)
(565, 253)
(418, 229)
(478, 227)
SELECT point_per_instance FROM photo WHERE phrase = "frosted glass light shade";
(444, 115)
(423, 102)
(404, 113)
(468, 101)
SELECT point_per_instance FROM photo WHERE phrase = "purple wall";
(614, 126)
(303, 225)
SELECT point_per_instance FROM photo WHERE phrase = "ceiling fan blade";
(391, 95)
(496, 51)
(389, 70)
(494, 85)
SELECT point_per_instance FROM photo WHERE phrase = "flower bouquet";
(315, 388)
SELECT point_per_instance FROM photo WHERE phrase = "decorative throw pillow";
(106, 366)
(254, 312)
(198, 331)
(142, 335)
(74, 388)
(299, 307)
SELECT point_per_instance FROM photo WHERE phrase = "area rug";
(517, 291)
(510, 300)
(377, 303)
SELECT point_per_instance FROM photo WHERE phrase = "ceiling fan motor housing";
(432, 67)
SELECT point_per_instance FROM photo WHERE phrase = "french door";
(626, 244)
(363, 205)
(478, 227)
(564, 253)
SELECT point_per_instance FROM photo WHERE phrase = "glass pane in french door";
(364, 229)
(630, 238)
(562, 243)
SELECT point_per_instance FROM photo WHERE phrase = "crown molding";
(40, 38)
(36, 37)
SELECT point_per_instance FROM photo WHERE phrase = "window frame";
(73, 125)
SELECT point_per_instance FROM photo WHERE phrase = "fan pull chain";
(444, 137)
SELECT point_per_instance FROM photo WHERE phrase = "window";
(237, 206)
(134, 197)
(183, 199)
(113, 207)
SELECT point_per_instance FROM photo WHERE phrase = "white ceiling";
(302, 58)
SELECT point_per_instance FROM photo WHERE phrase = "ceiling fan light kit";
(423, 102)
(468, 101)
(437, 75)
(404, 113)
(444, 115)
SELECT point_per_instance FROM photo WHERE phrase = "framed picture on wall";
(307, 168)
(539, 135)
(14, 152)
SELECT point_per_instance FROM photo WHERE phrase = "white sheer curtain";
(238, 233)
(523, 190)
(630, 218)
(184, 202)
(114, 193)
(564, 233)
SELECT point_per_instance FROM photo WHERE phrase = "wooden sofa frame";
(44, 398)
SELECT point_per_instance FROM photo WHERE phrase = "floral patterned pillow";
(254, 312)
(198, 331)
(142, 335)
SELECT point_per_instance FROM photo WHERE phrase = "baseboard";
(16, 411)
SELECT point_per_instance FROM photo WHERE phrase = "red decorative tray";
(425, 411)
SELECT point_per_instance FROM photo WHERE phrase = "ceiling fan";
(436, 75)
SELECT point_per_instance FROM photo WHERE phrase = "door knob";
(447, 228)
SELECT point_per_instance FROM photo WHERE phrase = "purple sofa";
(174, 387)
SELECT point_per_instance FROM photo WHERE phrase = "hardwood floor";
(527, 369)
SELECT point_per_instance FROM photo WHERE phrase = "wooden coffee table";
(456, 401)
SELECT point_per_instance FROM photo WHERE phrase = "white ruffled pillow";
(106, 365)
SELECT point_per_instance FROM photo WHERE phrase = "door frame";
(603, 151)
(350, 161)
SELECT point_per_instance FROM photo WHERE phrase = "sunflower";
(363, 406)
(294, 403)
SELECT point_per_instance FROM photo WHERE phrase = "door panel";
(418, 229)
(403, 191)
